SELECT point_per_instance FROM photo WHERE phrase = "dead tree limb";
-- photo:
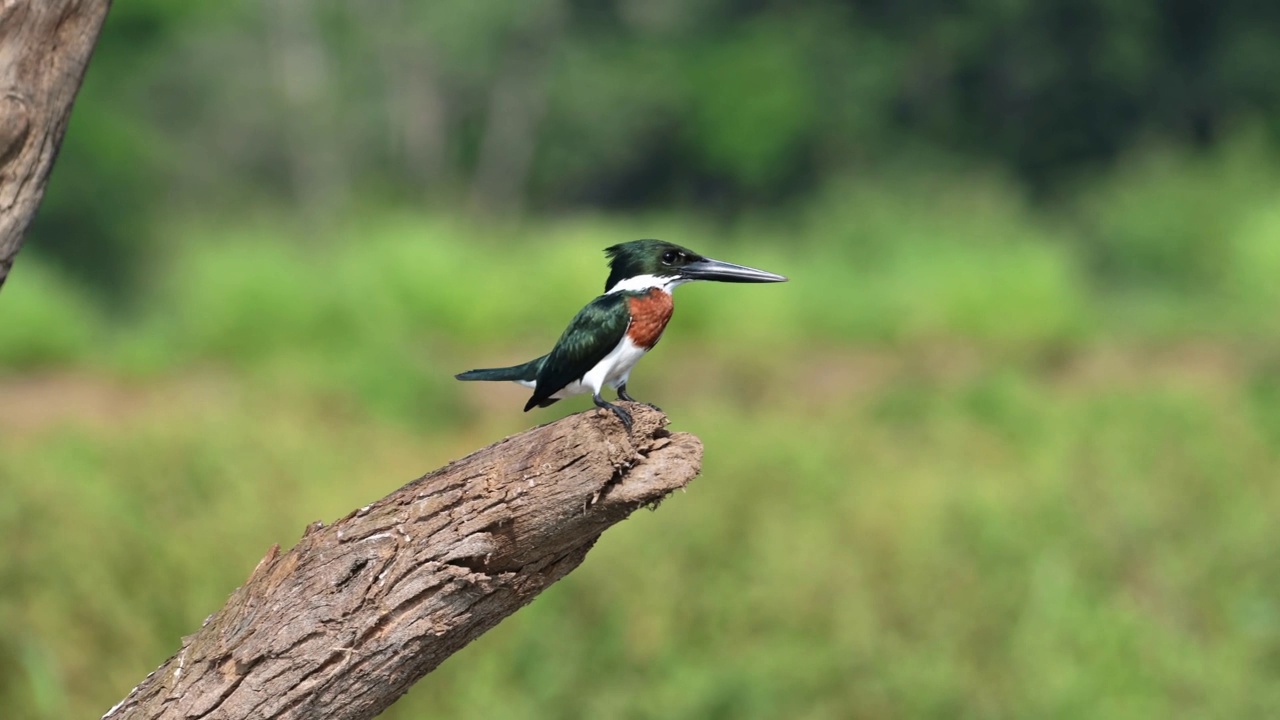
(44, 49)
(345, 622)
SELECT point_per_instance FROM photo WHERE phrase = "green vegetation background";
(1006, 446)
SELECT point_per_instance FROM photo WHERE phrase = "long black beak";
(708, 269)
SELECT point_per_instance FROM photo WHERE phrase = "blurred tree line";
(510, 107)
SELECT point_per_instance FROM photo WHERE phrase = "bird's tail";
(527, 372)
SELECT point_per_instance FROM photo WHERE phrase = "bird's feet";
(624, 395)
(623, 415)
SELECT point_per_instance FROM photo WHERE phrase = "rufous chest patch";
(649, 315)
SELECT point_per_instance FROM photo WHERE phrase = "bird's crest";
(646, 257)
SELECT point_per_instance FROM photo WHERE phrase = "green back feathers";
(592, 334)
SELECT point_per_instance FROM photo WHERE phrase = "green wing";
(592, 334)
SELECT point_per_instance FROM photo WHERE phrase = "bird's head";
(643, 264)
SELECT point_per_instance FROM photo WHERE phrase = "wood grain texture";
(44, 49)
(345, 622)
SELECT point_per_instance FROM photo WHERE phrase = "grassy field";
(958, 467)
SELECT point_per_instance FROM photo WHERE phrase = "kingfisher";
(606, 339)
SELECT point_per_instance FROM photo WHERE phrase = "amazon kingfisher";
(610, 335)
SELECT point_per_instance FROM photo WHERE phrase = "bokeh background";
(1006, 446)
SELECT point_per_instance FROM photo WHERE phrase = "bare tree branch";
(345, 622)
(44, 49)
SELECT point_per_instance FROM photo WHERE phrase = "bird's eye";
(669, 257)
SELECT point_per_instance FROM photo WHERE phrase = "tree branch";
(345, 622)
(44, 50)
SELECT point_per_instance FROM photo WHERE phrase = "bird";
(606, 339)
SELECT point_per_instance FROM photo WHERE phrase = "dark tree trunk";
(44, 49)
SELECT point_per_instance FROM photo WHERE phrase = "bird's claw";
(624, 395)
(623, 416)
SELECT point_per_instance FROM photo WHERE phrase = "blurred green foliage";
(951, 470)
(1004, 447)
(507, 107)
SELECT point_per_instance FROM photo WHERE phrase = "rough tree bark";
(44, 50)
(345, 622)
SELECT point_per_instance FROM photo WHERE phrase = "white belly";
(611, 372)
